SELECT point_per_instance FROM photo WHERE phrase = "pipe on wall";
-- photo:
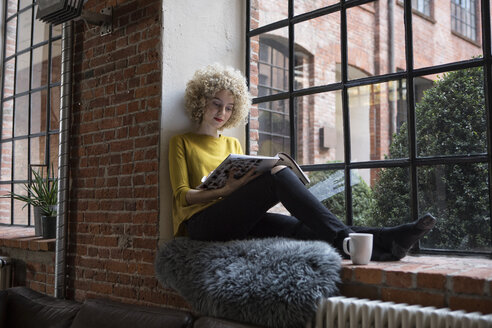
(63, 158)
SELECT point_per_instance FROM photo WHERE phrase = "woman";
(217, 98)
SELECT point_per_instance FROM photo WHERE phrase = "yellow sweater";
(191, 157)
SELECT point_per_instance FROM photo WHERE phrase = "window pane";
(319, 128)
(451, 116)
(303, 6)
(11, 38)
(24, 3)
(22, 78)
(24, 30)
(54, 142)
(464, 18)
(264, 12)
(363, 182)
(6, 167)
(20, 159)
(273, 133)
(422, 6)
(269, 69)
(371, 107)
(9, 78)
(41, 30)
(20, 212)
(328, 187)
(373, 46)
(317, 51)
(11, 8)
(437, 43)
(21, 116)
(7, 119)
(390, 188)
(56, 30)
(55, 61)
(4, 205)
(40, 66)
(55, 108)
(38, 150)
(38, 111)
(457, 195)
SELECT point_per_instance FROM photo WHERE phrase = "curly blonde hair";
(207, 82)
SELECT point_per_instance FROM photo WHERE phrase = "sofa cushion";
(28, 308)
(108, 314)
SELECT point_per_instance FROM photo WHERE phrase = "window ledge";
(452, 282)
(24, 238)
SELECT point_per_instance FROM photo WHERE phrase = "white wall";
(195, 33)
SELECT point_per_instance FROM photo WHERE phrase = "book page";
(240, 164)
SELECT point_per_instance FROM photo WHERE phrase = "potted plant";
(42, 194)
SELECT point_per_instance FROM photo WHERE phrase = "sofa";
(24, 307)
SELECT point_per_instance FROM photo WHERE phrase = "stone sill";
(457, 283)
(24, 238)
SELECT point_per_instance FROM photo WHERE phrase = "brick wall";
(32, 259)
(114, 194)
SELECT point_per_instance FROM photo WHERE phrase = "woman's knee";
(277, 169)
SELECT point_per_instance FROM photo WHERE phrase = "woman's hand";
(195, 196)
(232, 183)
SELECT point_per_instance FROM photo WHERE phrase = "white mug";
(360, 248)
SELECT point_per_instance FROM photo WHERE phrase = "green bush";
(450, 120)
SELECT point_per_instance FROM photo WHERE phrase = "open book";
(241, 164)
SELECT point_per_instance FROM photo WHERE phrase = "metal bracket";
(104, 19)
(107, 27)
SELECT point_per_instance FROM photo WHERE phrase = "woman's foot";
(398, 240)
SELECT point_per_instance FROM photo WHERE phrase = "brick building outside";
(375, 46)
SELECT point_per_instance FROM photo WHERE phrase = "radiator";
(5, 272)
(343, 312)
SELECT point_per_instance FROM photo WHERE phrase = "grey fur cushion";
(270, 282)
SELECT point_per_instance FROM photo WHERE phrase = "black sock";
(398, 240)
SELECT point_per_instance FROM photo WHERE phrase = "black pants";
(243, 214)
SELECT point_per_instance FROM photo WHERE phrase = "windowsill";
(443, 282)
(24, 238)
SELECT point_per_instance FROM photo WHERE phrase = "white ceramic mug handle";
(345, 244)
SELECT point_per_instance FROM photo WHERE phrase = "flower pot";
(49, 227)
(38, 226)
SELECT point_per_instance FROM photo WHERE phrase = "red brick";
(413, 297)
(399, 279)
(360, 291)
(368, 275)
(432, 280)
(468, 285)
(471, 304)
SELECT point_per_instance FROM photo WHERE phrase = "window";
(273, 74)
(463, 18)
(422, 6)
(29, 104)
(381, 110)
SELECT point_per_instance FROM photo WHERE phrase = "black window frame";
(410, 74)
(49, 132)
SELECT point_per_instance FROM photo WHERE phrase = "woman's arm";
(195, 196)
